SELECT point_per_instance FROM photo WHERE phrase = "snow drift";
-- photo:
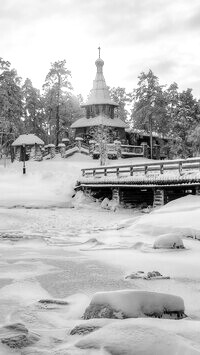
(131, 337)
(180, 217)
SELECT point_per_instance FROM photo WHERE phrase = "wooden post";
(158, 199)
(105, 172)
(131, 170)
(115, 195)
(161, 168)
(117, 171)
(197, 190)
(180, 167)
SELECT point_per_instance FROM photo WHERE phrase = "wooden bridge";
(152, 183)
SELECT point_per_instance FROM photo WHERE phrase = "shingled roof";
(99, 120)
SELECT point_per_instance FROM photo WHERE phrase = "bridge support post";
(158, 199)
(197, 190)
(115, 195)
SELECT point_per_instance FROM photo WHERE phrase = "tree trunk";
(58, 114)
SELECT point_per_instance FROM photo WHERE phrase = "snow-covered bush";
(168, 241)
(133, 304)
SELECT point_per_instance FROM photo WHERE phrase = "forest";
(49, 112)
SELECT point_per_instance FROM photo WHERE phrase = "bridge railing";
(161, 167)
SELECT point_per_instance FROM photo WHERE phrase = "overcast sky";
(135, 35)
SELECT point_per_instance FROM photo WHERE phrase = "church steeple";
(99, 95)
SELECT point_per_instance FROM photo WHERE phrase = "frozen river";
(67, 254)
(45, 254)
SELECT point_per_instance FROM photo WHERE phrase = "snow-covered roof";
(147, 134)
(27, 139)
(99, 120)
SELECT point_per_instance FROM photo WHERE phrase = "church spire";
(99, 48)
(99, 93)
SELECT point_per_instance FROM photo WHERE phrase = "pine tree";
(120, 96)
(32, 109)
(57, 85)
(185, 120)
(149, 104)
(11, 123)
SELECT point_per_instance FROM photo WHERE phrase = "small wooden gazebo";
(27, 146)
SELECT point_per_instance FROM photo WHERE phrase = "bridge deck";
(163, 173)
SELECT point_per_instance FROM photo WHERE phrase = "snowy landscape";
(99, 177)
(79, 279)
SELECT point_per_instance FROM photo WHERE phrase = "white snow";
(139, 303)
(180, 217)
(129, 337)
(45, 184)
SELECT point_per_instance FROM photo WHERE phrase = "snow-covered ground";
(68, 254)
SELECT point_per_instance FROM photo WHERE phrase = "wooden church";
(100, 111)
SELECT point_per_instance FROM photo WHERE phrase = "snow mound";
(180, 217)
(168, 241)
(133, 304)
(81, 199)
(130, 338)
(109, 204)
(186, 203)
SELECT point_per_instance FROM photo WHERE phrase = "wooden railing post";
(105, 172)
(117, 171)
(161, 168)
(131, 171)
(94, 172)
(146, 169)
(180, 166)
(83, 172)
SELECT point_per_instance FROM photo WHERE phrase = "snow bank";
(45, 184)
(138, 303)
(168, 241)
(129, 337)
(180, 217)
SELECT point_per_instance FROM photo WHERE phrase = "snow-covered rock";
(168, 241)
(151, 275)
(17, 336)
(105, 203)
(133, 304)
(109, 204)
